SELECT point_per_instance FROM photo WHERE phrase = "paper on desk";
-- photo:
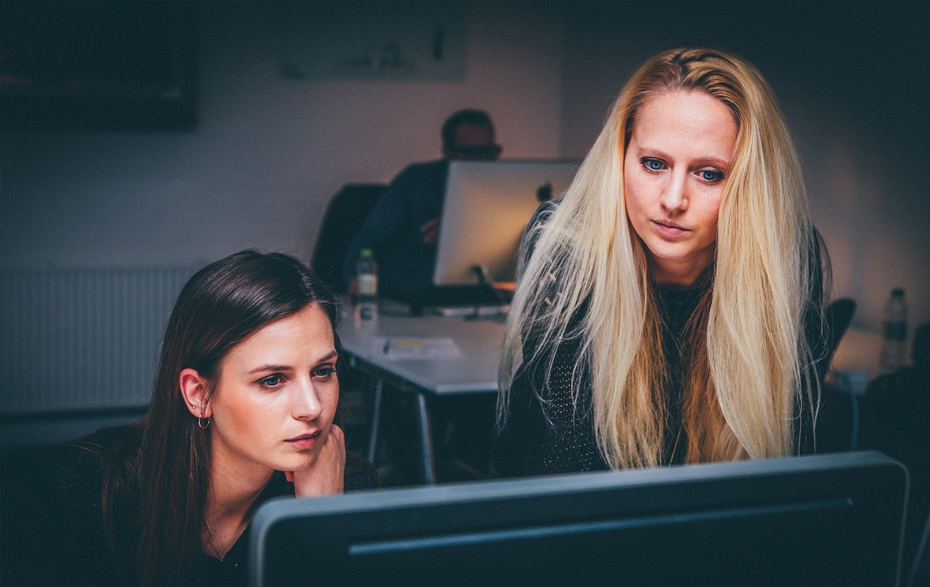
(398, 348)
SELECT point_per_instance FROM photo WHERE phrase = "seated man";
(403, 227)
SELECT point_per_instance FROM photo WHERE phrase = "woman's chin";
(296, 462)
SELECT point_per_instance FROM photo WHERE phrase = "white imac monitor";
(487, 206)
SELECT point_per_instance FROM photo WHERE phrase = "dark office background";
(258, 156)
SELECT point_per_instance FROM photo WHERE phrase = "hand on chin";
(325, 473)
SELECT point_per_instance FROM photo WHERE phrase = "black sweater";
(54, 532)
(560, 439)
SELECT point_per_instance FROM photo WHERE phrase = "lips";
(308, 440)
(669, 228)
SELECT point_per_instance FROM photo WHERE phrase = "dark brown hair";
(456, 119)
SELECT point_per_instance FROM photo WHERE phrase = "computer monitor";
(487, 205)
(820, 520)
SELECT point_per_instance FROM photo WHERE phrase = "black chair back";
(343, 218)
(838, 315)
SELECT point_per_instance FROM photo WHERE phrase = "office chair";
(344, 216)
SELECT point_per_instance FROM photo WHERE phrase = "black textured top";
(556, 434)
(55, 533)
(560, 439)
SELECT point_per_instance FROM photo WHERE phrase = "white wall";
(269, 152)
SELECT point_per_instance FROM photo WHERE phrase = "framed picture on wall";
(332, 40)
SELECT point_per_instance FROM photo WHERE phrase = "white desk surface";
(475, 371)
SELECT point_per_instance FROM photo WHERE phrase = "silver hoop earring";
(204, 423)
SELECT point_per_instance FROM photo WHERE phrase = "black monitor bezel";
(851, 489)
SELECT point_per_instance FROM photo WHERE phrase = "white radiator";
(82, 339)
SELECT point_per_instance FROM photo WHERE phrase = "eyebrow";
(270, 367)
(722, 163)
(331, 355)
(646, 151)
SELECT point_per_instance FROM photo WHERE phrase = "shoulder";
(538, 221)
(115, 439)
(417, 185)
(78, 467)
(100, 461)
(49, 482)
(58, 508)
(544, 213)
(424, 171)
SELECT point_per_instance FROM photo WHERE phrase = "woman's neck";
(230, 501)
(681, 274)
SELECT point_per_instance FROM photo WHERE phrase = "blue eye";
(271, 381)
(324, 372)
(652, 164)
(710, 175)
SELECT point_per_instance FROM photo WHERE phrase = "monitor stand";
(485, 298)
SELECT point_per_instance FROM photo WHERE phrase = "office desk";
(473, 371)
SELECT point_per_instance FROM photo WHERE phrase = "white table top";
(473, 371)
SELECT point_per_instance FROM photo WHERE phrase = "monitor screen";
(820, 520)
(487, 205)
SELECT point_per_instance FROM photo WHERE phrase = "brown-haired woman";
(242, 410)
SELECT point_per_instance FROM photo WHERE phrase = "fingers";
(430, 231)
(337, 436)
(325, 474)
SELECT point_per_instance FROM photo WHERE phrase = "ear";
(194, 389)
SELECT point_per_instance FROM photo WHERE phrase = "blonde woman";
(669, 307)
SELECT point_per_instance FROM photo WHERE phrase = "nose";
(306, 401)
(675, 192)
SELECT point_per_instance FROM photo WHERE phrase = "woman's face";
(675, 169)
(275, 397)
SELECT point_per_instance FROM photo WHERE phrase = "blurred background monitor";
(820, 520)
(487, 205)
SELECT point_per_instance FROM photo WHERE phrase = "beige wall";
(270, 152)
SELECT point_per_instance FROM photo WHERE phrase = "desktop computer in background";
(819, 520)
(486, 206)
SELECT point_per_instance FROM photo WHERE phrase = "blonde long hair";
(589, 279)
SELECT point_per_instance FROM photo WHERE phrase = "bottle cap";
(897, 292)
(366, 252)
